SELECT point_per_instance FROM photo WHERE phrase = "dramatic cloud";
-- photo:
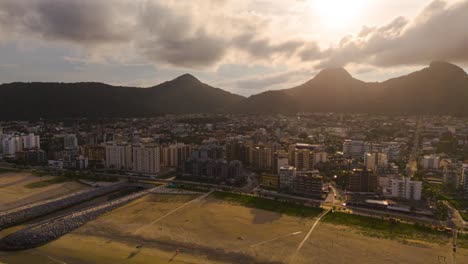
(84, 21)
(438, 33)
(171, 37)
(263, 48)
(67, 38)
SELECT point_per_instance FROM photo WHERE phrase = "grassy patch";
(462, 240)
(270, 205)
(3, 170)
(387, 229)
(464, 215)
(44, 183)
(191, 188)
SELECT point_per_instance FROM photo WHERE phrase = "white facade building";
(401, 187)
(31, 141)
(119, 156)
(146, 159)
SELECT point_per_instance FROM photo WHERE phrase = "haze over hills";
(441, 88)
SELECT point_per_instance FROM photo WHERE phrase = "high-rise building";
(393, 151)
(215, 170)
(305, 156)
(401, 187)
(174, 155)
(363, 181)
(353, 148)
(374, 160)
(146, 159)
(209, 151)
(453, 175)
(70, 141)
(95, 154)
(280, 159)
(261, 157)
(308, 183)
(119, 156)
(237, 150)
(10, 145)
(31, 141)
(430, 162)
(286, 177)
(465, 180)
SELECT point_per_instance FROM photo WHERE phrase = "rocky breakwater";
(42, 233)
(22, 214)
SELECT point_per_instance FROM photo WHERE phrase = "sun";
(337, 14)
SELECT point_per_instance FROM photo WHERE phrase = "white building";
(286, 177)
(401, 187)
(430, 162)
(119, 156)
(10, 145)
(31, 141)
(320, 156)
(146, 159)
(281, 161)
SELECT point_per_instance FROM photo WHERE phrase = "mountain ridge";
(440, 88)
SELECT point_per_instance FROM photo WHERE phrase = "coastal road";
(293, 258)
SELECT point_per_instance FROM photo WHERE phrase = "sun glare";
(336, 14)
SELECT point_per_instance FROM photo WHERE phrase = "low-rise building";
(269, 181)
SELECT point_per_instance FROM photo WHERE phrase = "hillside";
(185, 94)
(441, 88)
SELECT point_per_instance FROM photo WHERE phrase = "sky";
(242, 46)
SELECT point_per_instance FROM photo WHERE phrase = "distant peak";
(334, 72)
(187, 77)
(445, 66)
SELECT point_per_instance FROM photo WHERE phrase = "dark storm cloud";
(438, 33)
(263, 48)
(172, 38)
(84, 21)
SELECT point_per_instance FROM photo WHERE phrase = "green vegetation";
(167, 175)
(464, 215)
(4, 170)
(387, 229)
(462, 240)
(192, 188)
(44, 183)
(286, 208)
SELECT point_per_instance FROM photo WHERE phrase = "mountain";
(185, 94)
(441, 88)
